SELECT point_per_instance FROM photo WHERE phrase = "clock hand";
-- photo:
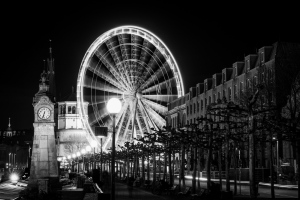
(43, 115)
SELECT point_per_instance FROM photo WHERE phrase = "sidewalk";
(290, 187)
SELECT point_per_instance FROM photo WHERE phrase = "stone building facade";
(276, 65)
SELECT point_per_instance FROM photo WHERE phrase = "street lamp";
(78, 155)
(59, 160)
(73, 156)
(9, 162)
(83, 152)
(69, 158)
(94, 144)
(88, 149)
(277, 158)
(64, 161)
(113, 107)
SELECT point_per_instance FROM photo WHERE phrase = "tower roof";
(43, 88)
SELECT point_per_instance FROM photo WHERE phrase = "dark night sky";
(203, 41)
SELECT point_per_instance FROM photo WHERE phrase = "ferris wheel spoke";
(150, 121)
(126, 127)
(139, 122)
(161, 72)
(144, 115)
(167, 84)
(97, 85)
(112, 48)
(159, 121)
(166, 98)
(120, 126)
(155, 106)
(103, 58)
(105, 75)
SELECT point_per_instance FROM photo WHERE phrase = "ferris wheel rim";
(130, 29)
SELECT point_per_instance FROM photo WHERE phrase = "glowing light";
(59, 159)
(94, 143)
(114, 105)
(69, 157)
(83, 151)
(88, 148)
(14, 177)
(74, 155)
(78, 154)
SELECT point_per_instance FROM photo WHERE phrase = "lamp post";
(64, 161)
(88, 149)
(82, 153)
(94, 144)
(9, 162)
(59, 159)
(78, 155)
(277, 159)
(74, 156)
(113, 107)
(69, 158)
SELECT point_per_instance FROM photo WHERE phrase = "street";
(264, 191)
(10, 191)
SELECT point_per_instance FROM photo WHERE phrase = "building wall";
(241, 77)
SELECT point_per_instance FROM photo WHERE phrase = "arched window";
(63, 110)
(74, 110)
(69, 110)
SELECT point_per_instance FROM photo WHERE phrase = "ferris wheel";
(134, 65)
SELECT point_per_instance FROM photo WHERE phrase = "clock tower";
(44, 156)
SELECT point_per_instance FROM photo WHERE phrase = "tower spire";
(50, 49)
(50, 71)
(9, 122)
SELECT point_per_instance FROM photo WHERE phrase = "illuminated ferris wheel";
(134, 65)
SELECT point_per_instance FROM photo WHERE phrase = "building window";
(262, 57)
(69, 110)
(224, 93)
(201, 104)
(205, 102)
(235, 91)
(229, 93)
(194, 108)
(191, 109)
(248, 84)
(255, 80)
(73, 110)
(197, 106)
(209, 100)
(241, 87)
(248, 65)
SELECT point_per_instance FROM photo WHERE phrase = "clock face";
(44, 113)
